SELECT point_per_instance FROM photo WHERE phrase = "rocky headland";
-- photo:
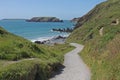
(75, 20)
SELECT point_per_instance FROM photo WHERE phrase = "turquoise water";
(35, 30)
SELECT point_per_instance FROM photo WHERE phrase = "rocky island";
(44, 19)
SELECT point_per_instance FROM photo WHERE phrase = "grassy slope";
(15, 54)
(101, 53)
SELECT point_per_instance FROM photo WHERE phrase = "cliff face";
(99, 31)
(105, 15)
(44, 19)
(99, 11)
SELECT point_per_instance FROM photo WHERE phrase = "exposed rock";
(63, 30)
(101, 31)
(40, 42)
(60, 37)
(44, 19)
(75, 20)
(56, 40)
(115, 22)
(87, 17)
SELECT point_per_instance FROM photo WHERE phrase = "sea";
(36, 31)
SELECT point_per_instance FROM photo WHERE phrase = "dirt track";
(75, 68)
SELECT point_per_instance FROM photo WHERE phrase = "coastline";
(51, 40)
(36, 31)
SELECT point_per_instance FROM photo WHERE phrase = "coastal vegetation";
(44, 19)
(99, 31)
(21, 59)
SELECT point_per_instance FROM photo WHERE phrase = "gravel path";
(75, 68)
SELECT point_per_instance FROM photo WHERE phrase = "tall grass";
(21, 59)
(101, 53)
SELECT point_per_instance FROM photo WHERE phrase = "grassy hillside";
(99, 31)
(21, 59)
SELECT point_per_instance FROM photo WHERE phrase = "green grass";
(103, 60)
(16, 54)
(101, 53)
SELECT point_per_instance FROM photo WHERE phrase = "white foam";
(66, 35)
(48, 38)
(41, 39)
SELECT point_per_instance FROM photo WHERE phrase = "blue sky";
(64, 9)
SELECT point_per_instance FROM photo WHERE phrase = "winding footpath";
(75, 68)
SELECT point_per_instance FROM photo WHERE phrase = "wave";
(48, 38)
(41, 39)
